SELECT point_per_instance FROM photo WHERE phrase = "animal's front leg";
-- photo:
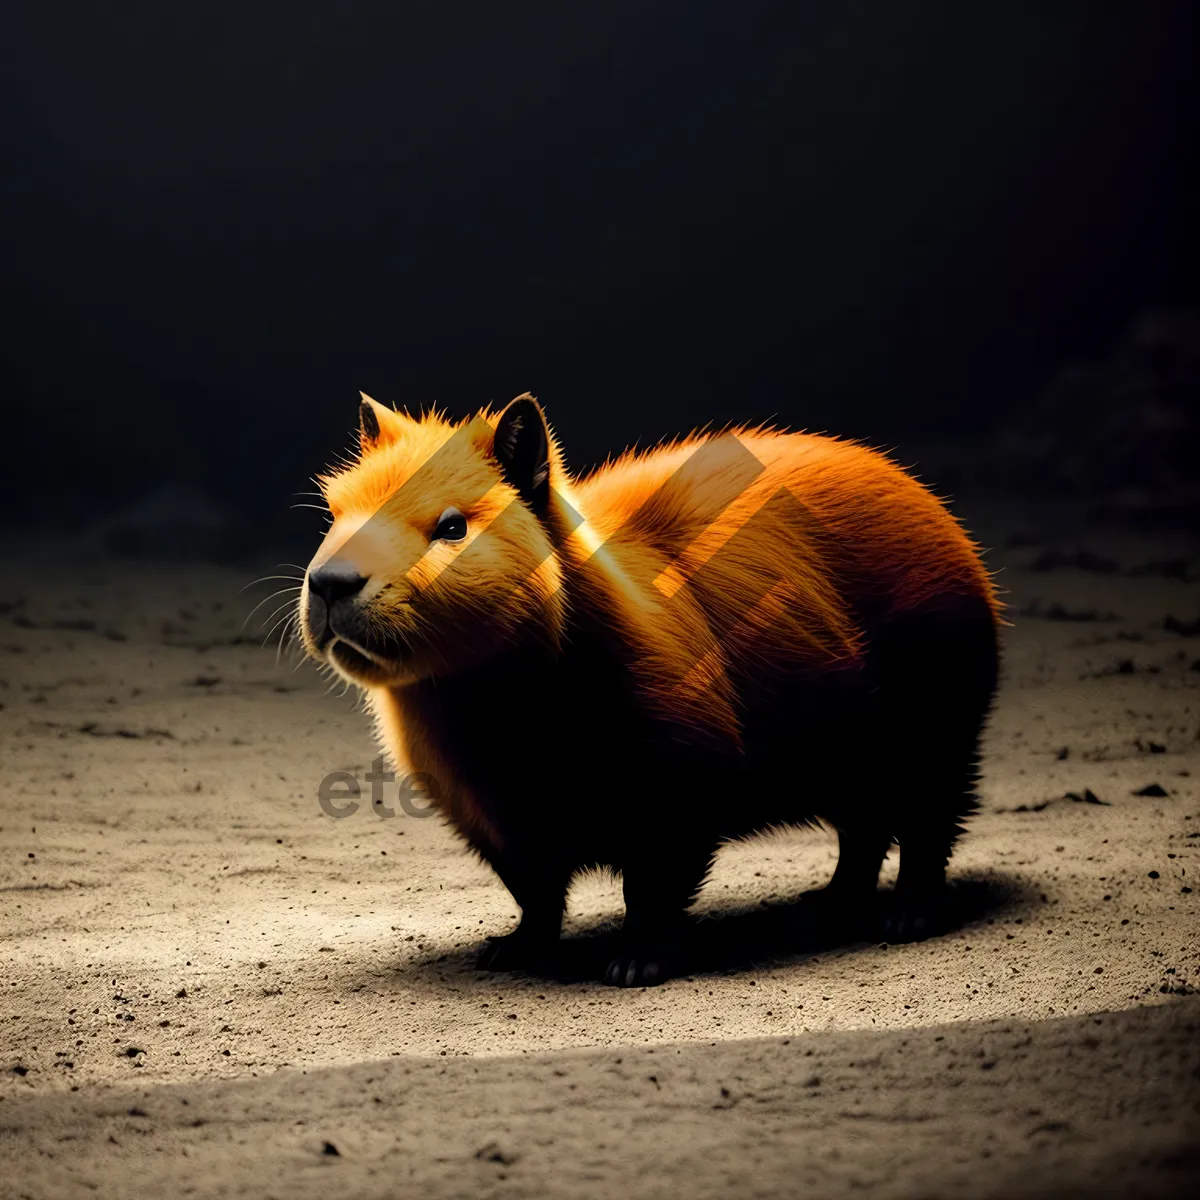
(540, 889)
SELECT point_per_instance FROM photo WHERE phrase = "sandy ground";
(178, 916)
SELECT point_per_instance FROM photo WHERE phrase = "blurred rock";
(1123, 433)
(173, 521)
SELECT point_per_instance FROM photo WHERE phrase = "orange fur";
(651, 520)
(704, 578)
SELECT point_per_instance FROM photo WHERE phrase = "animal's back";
(798, 547)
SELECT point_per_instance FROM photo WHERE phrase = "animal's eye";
(451, 527)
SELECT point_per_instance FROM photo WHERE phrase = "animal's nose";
(335, 580)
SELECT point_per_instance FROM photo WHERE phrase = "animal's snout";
(334, 580)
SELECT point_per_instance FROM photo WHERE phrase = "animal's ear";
(522, 448)
(375, 423)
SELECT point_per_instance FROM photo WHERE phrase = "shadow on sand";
(734, 939)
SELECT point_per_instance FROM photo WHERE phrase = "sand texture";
(205, 978)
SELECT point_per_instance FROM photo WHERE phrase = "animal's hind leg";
(660, 883)
(917, 907)
(926, 843)
(860, 855)
(848, 900)
(938, 675)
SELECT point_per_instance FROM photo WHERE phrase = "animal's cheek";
(436, 566)
(460, 581)
(393, 601)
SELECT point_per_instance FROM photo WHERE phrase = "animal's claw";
(913, 921)
(639, 968)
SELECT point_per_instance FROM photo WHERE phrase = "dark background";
(879, 219)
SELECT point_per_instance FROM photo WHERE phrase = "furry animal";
(726, 633)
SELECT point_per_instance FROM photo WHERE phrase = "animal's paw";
(510, 952)
(911, 920)
(640, 967)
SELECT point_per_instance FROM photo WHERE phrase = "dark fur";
(886, 753)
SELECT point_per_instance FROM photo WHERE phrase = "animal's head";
(438, 556)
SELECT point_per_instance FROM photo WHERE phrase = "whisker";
(267, 600)
(283, 636)
(277, 610)
(280, 624)
(269, 578)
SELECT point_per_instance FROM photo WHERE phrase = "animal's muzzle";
(333, 607)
